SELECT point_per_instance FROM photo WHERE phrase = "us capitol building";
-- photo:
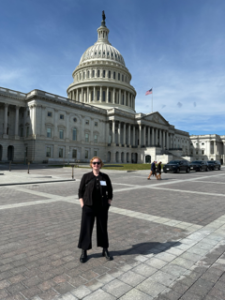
(97, 118)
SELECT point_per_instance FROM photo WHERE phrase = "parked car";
(214, 164)
(176, 166)
(199, 165)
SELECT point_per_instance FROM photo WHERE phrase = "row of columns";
(118, 96)
(146, 135)
(81, 76)
(5, 127)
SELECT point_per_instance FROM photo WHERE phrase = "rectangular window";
(86, 154)
(93, 73)
(118, 76)
(49, 132)
(196, 152)
(61, 133)
(88, 74)
(74, 134)
(48, 152)
(98, 95)
(87, 122)
(98, 73)
(95, 138)
(49, 114)
(74, 153)
(96, 124)
(27, 133)
(103, 96)
(202, 151)
(21, 131)
(103, 73)
(95, 153)
(61, 117)
(114, 75)
(122, 77)
(86, 137)
(60, 152)
(109, 74)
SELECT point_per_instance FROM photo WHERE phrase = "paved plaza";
(167, 237)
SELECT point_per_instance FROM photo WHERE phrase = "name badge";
(103, 183)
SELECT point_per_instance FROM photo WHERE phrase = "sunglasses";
(96, 163)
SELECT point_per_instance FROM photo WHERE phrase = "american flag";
(148, 92)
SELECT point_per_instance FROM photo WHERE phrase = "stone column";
(129, 136)
(77, 95)
(144, 136)
(56, 122)
(114, 92)
(156, 137)
(17, 121)
(167, 140)
(82, 95)
(120, 96)
(113, 131)
(119, 133)
(124, 134)
(107, 95)
(215, 148)
(149, 136)
(100, 98)
(140, 141)
(43, 116)
(153, 137)
(6, 118)
(164, 142)
(125, 98)
(95, 93)
(160, 138)
(134, 135)
(88, 95)
(107, 133)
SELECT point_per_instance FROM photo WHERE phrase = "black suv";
(199, 165)
(214, 164)
(176, 166)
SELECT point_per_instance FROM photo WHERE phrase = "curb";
(36, 182)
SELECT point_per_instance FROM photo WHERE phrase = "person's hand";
(81, 202)
(110, 202)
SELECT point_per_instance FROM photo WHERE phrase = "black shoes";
(83, 257)
(105, 253)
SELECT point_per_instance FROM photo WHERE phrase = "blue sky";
(175, 46)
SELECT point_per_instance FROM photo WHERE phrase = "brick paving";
(167, 244)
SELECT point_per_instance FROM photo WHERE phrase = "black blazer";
(87, 186)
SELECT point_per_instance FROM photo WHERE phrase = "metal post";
(72, 171)
(28, 168)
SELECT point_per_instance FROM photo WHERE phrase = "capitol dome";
(101, 78)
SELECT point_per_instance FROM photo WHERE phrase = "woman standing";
(95, 195)
(159, 170)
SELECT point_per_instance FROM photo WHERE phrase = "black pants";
(89, 213)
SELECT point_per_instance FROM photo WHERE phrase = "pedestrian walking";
(153, 170)
(159, 170)
(95, 195)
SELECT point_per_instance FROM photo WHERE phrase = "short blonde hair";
(96, 157)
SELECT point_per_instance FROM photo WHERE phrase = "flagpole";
(152, 100)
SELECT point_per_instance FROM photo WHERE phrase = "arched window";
(93, 73)
(103, 73)
(114, 75)
(86, 137)
(98, 73)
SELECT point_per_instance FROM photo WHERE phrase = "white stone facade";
(97, 118)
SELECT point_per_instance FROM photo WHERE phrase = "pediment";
(157, 118)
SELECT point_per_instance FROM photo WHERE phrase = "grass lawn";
(118, 167)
